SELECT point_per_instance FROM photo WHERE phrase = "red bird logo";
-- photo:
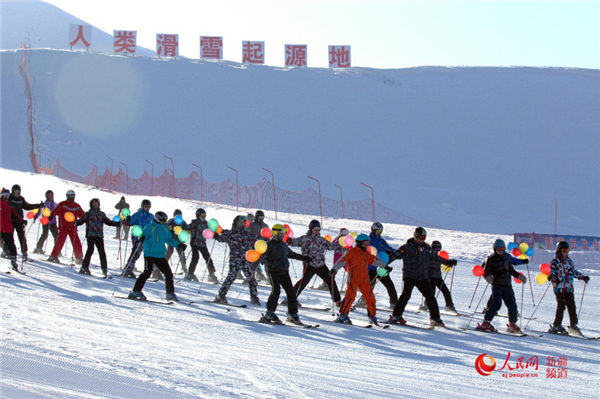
(483, 368)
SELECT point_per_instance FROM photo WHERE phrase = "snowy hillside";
(66, 335)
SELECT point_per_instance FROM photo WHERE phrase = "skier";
(18, 203)
(416, 255)
(497, 271)
(357, 262)
(48, 227)
(66, 228)
(94, 220)
(154, 237)
(562, 272)
(435, 275)
(239, 241)
(381, 245)
(277, 266)
(314, 246)
(7, 215)
(141, 218)
(255, 227)
(122, 204)
(198, 244)
(171, 224)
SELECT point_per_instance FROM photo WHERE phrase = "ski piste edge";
(233, 305)
(146, 300)
(286, 324)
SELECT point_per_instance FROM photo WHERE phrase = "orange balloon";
(252, 255)
(219, 229)
(328, 237)
(69, 217)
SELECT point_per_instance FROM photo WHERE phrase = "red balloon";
(30, 215)
(266, 232)
(247, 223)
(443, 254)
(44, 220)
(477, 271)
(545, 268)
(516, 251)
(517, 280)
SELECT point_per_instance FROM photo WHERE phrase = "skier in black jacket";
(18, 203)
(198, 244)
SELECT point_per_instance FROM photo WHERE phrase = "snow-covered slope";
(66, 335)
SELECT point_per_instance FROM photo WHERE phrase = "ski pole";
(581, 302)
(37, 236)
(224, 259)
(536, 308)
(443, 281)
(522, 292)
(470, 303)
(452, 279)
(119, 253)
(530, 286)
(476, 307)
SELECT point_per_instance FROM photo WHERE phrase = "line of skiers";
(421, 261)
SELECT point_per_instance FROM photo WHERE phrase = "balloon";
(342, 241)
(384, 257)
(517, 280)
(545, 268)
(522, 256)
(136, 231)
(382, 271)
(541, 278)
(46, 212)
(516, 252)
(177, 230)
(266, 232)
(44, 220)
(328, 237)
(290, 234)
(69, 217)
(353, 234)
(219, 230)
(446, 268)
(348, 240)
(178, 220)
(443, 254)
(125, 212)
(529, 252)
(183, 236)
(523, 247)
(260, 246)
(247, 222)
(116, 219)
(511, 246)
(35, 210)
(477, 271)
(252, 255)
(208, 234)
(213, 224)
(373, 250)
(30, 215)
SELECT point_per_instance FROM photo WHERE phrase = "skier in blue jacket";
(141, 218)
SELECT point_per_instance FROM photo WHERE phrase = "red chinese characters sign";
(295, 55)
(253, 52)
(124, 42)
(80, 36)
(167, 45)
(211, 47)
(339, 57)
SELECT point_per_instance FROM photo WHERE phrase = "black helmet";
(160, 217)
(177, 212)
(146, 202)
(376, 226)
(314, 223)
(258, 214)
(200, 213)
(499, 244)
(419, 232)
(94, 200)
(15, 187)
(436, 245)
(562, 245)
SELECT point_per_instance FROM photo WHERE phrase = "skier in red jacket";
(67, 228)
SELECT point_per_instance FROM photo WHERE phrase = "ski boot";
(513, 328)
(255, 301)
(190, 277)
(343, 319)
(270, 317)
(84, 270)
(396, 320)
(14, 265)
(24, 257)
(220, 299)
(437, 323)
(393, 303)
(78, 261)
(558, 330)
(53, 259)
(293, 318)
(137, 295)
(212, 278)
(38, 251)
(106, 275)
(128, 274)
(451, 309)
(574, 330)
(485, 326)
(171, 297)
(373, 320)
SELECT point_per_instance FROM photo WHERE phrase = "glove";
(522, 278)
(24, 222)
(332, 272)
(306, 259)
(525, 261)
(451, 262)
(586, 279)
(182, 246)
(142, 238)
(489, 279)
(389, 269)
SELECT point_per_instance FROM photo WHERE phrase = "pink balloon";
(348, 240)
(477, 271)
(545, 268)
(208, 234)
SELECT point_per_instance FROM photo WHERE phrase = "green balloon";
(382, 272)
(183, 236)
(213, 225)
(125, 212)
(136, 231)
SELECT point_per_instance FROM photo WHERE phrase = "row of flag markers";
(211, 47)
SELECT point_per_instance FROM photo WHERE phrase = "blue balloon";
(384, 257)
(178, 219)
(116, 219)
(511, 246)
(529, 252)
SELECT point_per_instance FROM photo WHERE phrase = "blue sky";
(383, 34)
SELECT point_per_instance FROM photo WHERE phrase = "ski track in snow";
(65, 335)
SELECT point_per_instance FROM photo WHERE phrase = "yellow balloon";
(46, 212)
(373, 250)
(353, 234)
(446, 268)
(35, 210)
(260, 246)
(341, 241)
(177, 230)
(541, 279)
(522, 256)
(523, 247)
